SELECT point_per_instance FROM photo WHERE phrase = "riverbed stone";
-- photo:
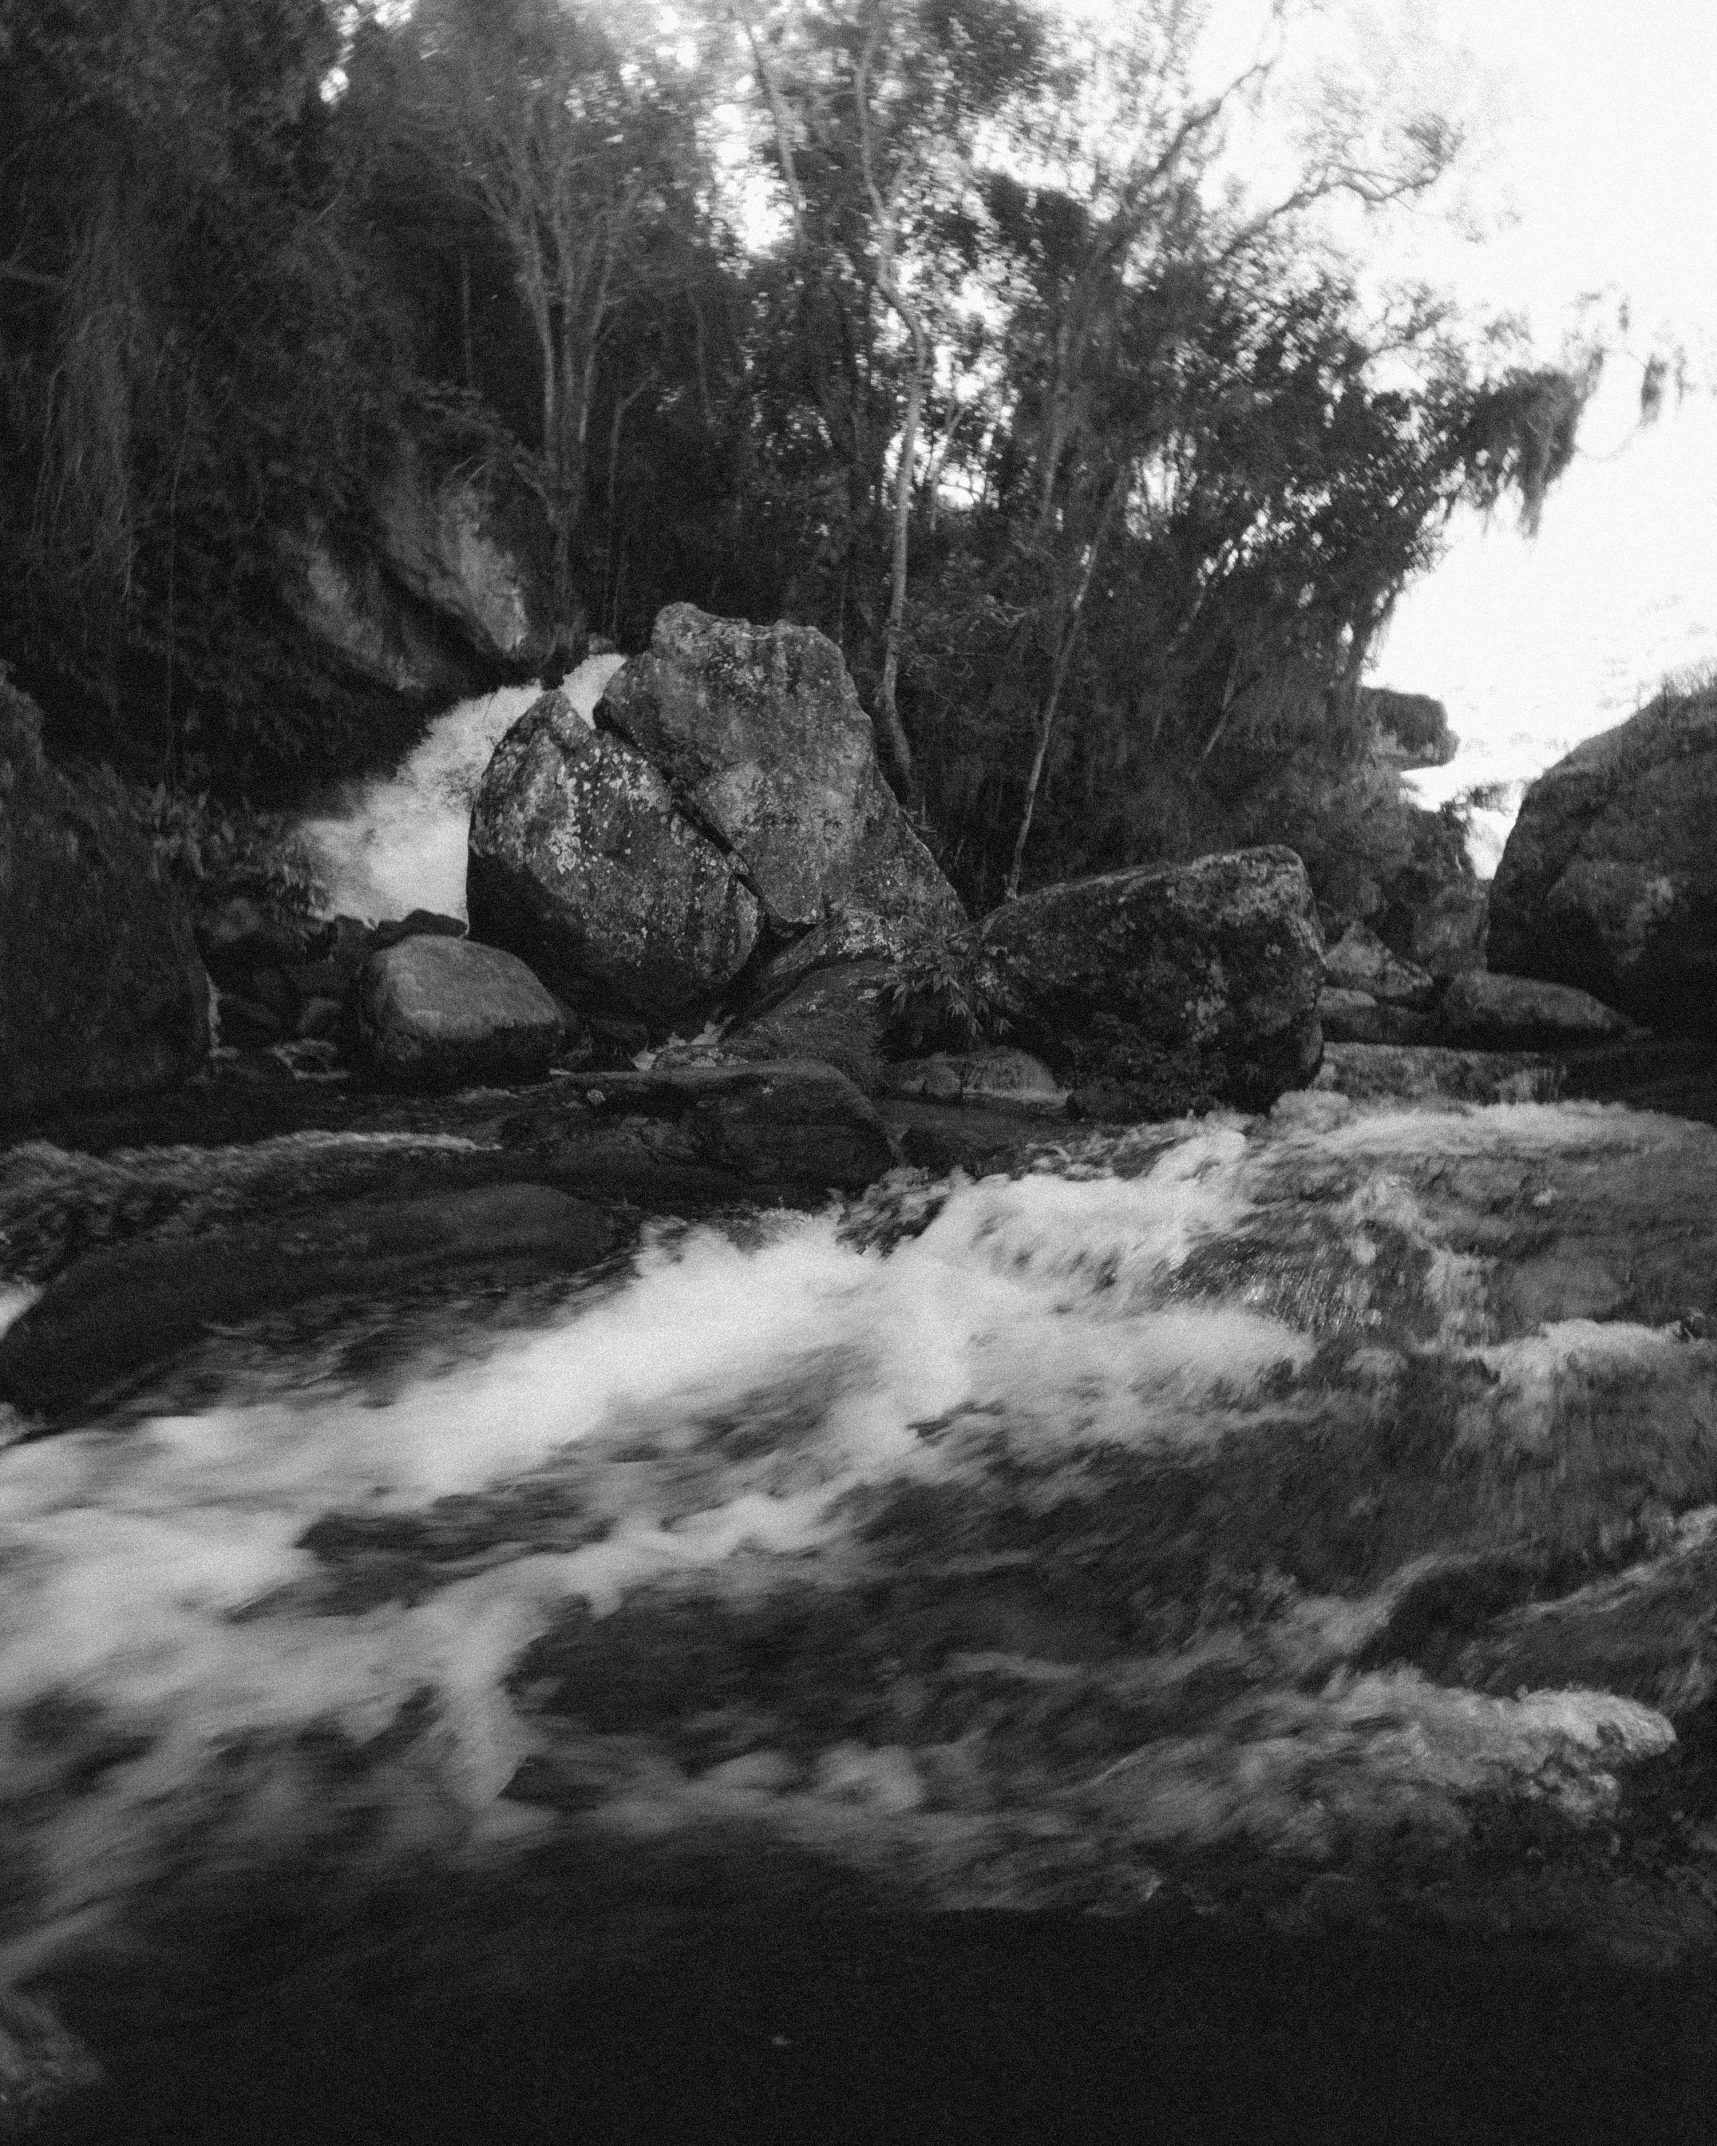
(438, 1012)
(1489, 1011)
(1356, 1017)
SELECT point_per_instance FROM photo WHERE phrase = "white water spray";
(399, 844)
(179, 1623)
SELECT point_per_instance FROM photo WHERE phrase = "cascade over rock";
(102, 991)
(581, 865)
(759, 732)
(1174, 987)
(1609, 879)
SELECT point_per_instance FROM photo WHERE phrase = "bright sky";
(1604, 149)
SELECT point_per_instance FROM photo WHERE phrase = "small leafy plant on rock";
(945, 996)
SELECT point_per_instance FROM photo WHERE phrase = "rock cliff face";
(102, 991)
(446, 591)
(1609, 879)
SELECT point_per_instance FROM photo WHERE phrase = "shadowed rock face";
(581, 864)
(1609, 879)
(102, 991)
(1203, 978)
(759, 732)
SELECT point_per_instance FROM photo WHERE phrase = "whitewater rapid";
(398, 843)
(316, 1616)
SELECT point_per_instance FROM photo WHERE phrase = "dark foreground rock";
(439, 1012)
(1609, 879)
(102, 991)
(582, 865)
(760, 734)
(1183, 987)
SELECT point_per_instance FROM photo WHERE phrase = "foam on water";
(399, 844)
(734, 1409)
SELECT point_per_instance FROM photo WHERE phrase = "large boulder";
(1609, 879)
(438, 1012)
(102, 991)
(1167, 988)
(759, 732)
(581, 864)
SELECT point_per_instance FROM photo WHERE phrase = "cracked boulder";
(583, 866)
(760, 737)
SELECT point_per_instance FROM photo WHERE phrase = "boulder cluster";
(712, 874)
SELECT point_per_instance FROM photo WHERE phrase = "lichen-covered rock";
(102, 991)
(1609, 878)
(438, 1012)
(760, 734)
(1359, 961)
(1515, 1013)
(1177, 987)
(581, 865)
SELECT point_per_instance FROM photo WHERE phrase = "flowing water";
(398, 844)
(854, 1533)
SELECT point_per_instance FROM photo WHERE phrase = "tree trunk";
(1063, 663)
(894, 731)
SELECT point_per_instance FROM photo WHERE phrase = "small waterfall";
(399, 843)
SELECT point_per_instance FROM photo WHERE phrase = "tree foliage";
(924, 321)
